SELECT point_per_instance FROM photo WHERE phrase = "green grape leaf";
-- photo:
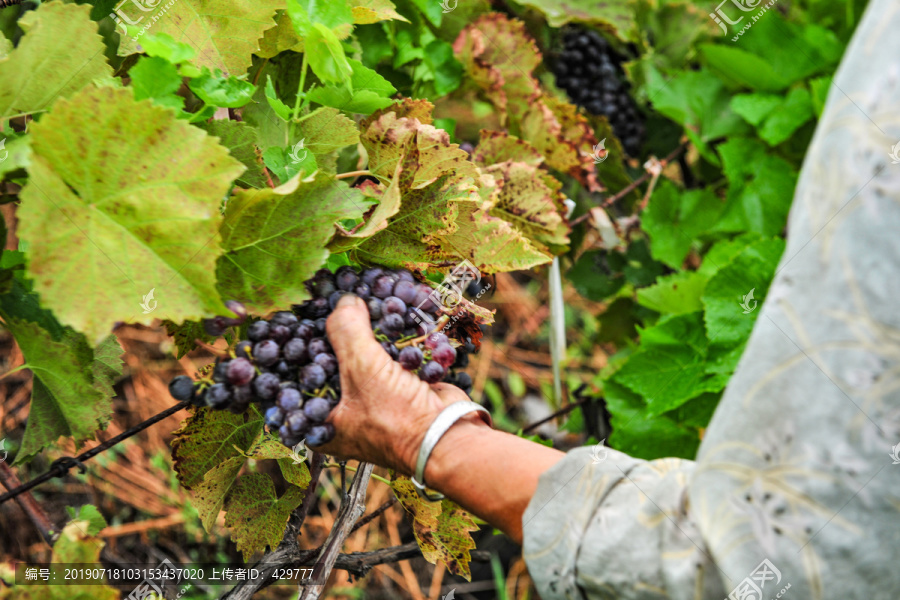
(751, 271)
(274, 239)
(285, 164)
(442, 529)
(163, 45)
(17, 149)
(370, 91)
(208, 497)
(60, 53)
(593, 276)
(216, 90)
(281, 109)
(372, 11)
(614, 16)
(326, 55)
(431, 10)
(376, 218)
(156, 79)
(90, 514)
(224, 33)
(675, 294)
(241, 141)
(71, 388)
(256, 515)
(796, 110)
(186, 335)
(335, 16)
(326, 130)
(754, 108)
(440, 66)
(674, 219)
(140, 206)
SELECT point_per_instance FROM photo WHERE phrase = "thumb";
(349, 329)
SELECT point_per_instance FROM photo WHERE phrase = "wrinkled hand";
(384, 410)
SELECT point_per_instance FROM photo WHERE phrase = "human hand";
(384, 410)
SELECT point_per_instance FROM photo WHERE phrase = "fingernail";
(349, 300)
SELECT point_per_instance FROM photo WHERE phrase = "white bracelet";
(444, 421)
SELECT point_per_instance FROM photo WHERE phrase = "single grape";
(406, 291)
(242, 394)
(320, 434)
(317, 346)
(334, 298)
(375, 308)
(240, 371)
(328, 362)
(323, 287)
(298, 422)
(266, 353)
(363, 291)
(305, 330)
(243, 349)
(346, 279)
(318, 308)
(320, 325)
(219, 372)
(289, 400)
(218, 396)
(464, 382)
(404, 275)
(266, 386)
(410, 358)
(181, 388)
(312, 377)
(444, 354)
(369, 276)
(294, 351)
(393, 304)
(284, 317)
(425, 299)
(391, 323)
(431, 372)
(316, 409)
(383, 287)
(274, 417)
(239, 310)
(280, 333)
(436, 339)
(287, 438)
(391, 350)
(258, 331)
(215, 326)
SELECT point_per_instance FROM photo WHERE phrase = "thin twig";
(29, 506)
(362, 173)
(565, 409)
(374, 514)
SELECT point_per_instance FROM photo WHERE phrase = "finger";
(350, 330)
(448, 393)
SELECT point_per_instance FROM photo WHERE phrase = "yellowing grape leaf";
(71, 390)
(134, 205)
(499, 146)
(327, 130)
(256, 515)
(614, 16)
(442, 529)
(275, 239)
(241, 141)
(225, 33)
(60, 53)
(376, 218)
(372, 11)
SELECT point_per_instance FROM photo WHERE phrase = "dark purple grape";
(266, 353)
(258, 331)
(464, 382)
(266, 386)
(335, 384)
(436, 339)
(243, 349)
(317, 346)
(327, 362)
(295, 351)
(288, 438)
(274, 417)
(391, 323)
(285, 371)
(370, 275)
(375, 308)
(238, 309)
(305, 330)
(321, 324)
(198, 396)
(289, 400)
(406, 291)
(181, 388)
(431, 372)
(462, 358)
(284, 317)
(242, 394)
(323, 287)
(391, 350)
(334, 298)
(346, 279)
(383, 287)
(444, 354)
(218, 374)
(215, 326)
(312, 377)
(318, 308)
(393, 304)
(240, 371)
(280, 333)
(404, 275)
(297, 422)
(316, 409)
(218, 396)
(363, 291)
(320, 434)
(410, 358)
(425, 299)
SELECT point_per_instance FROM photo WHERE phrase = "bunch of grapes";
(590, 72)
(287, 365)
